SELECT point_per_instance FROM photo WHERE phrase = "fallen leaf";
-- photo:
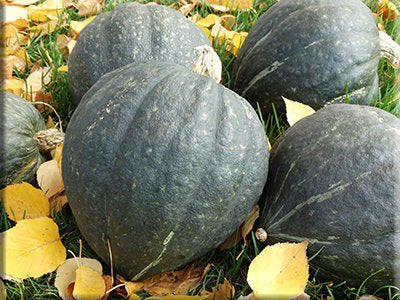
(63, 69)
(71, 44)
(176, 297)
(208, 21)
(228, 5)
(187, 8)
(89, 7)
(280, 270)
(243, 230)
(62, 42)
(129, 287)
(14, 15)
(13, 85)
(224, 291)
(49, 178)
(3, 291)
(50, 9)
(388, 10)
(36, 81)
(24, 2)
(77, 26)
(89, 284)
(174, 282)
(23, 201)
(11, 36)
(227, 21)
(57, 202)
(296, 111)
(7, 67)
(31, 248)
(66, 275)
(368, 297)
(47, 27)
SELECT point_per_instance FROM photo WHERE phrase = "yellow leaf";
(13, 85)
(49, 178)
(14, 15)
(388, 10)
(129, 288)
(23, 201)
(227, 5)
(66, 272)
(134, 297)
(208, 21)
(50, 8)
(296, 111)
(77, 26)
(63, 69)
(280, 270)
(182, 297)
(89, 284)
(24, 2)
(3, 290)
(31, 248)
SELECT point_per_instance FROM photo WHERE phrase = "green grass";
(226, 264)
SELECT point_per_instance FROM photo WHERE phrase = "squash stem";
(48, 139)
(208, 63)
(389, 49)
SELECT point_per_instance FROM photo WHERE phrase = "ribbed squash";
(164, 163)
(131, 33)
(19, 152)
(311, 51)
(334, 180)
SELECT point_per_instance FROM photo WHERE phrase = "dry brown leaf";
(227, 21)
(71, 44)
(243, 230)
(224, 291)
(129, 287)
(35, 85)
(174, 282)
(7, 67)
(62, 43)
(187, 8)
(108, 280)
(49, 9)
(89, 7)
(228, 5)
(45, 28)
(57, 202)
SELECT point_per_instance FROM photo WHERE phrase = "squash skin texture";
(19, 152)
(163, 162)
(335, 181)
(310, 51)
(131, 33)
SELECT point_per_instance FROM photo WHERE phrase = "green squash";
(19, 152)
(164, 163)
(334, 180)
(313, 52)
(131, 33)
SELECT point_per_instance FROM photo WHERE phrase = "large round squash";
(334, 180)
(164, 162)
(19, 152)
(311, 51)
(131, 33)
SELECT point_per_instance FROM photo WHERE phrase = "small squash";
(131, 33)
(164, 163)
(313, 52)
(334, 180)
(19, 152)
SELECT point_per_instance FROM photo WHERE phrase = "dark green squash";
(164, 162)
(311, 51)
(19, 152)
(334, 180)
(131, 33)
